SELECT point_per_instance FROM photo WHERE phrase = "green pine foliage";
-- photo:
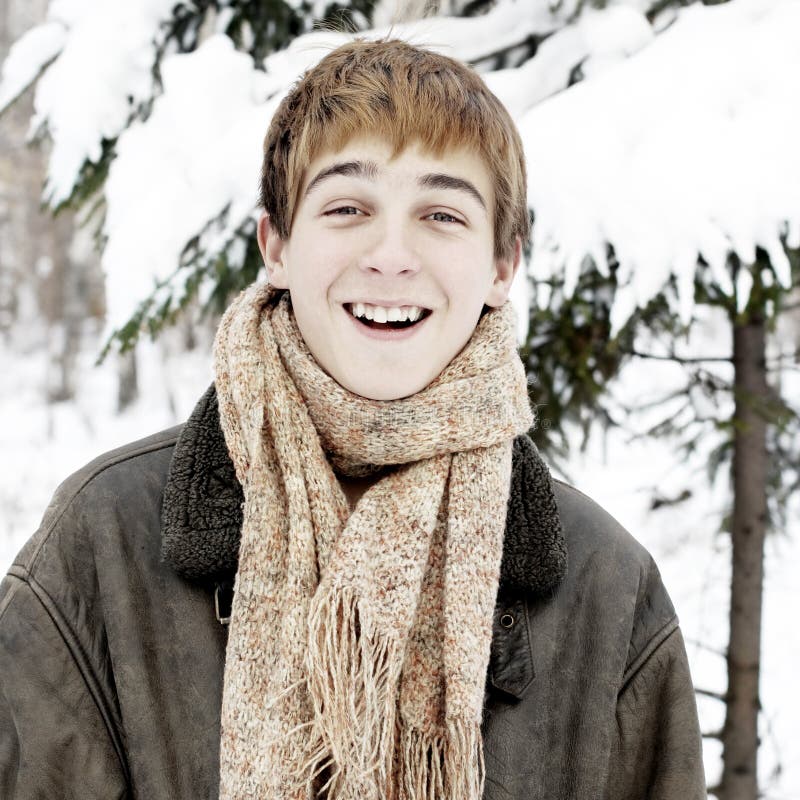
(572, 361)
(224, 273)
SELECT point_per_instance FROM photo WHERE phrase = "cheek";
(312, 270)
(466, 278)
(330, 254)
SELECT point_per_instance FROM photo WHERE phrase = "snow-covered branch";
(674, 147)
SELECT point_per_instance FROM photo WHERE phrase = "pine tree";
(572, 357)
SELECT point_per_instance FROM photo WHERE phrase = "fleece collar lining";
(202, 511)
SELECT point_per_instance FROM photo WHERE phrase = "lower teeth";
(399, 325)
(382, 325)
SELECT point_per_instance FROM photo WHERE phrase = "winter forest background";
(660, 317)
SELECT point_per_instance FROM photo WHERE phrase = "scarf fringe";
(442, 765)
(352, 679)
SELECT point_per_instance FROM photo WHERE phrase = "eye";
(450, 218)
(343, 211)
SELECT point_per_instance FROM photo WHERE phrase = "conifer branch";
(681, 359)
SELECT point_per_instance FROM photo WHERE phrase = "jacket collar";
(202, 511)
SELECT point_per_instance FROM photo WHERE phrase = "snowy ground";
(42, 445)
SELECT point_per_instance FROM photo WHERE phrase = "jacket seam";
(526, 613)
(98, 470)
(81, 661)
(9, 595)
(663, 633)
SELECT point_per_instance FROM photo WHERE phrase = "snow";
(109, 55)
(46, 443)
(27, 57)
(173, 149)
(170, 175)
(596, 41)
(685, 149)
(611, 35)
(652, 152)
(199, 150)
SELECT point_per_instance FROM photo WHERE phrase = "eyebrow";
(368, 170)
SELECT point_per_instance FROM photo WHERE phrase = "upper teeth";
(382, 314)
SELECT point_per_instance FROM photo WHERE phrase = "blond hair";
(400, 93)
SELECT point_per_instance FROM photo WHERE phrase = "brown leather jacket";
(112, 653)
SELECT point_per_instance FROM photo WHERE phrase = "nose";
(391, 252)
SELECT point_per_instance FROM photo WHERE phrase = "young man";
(418, 611)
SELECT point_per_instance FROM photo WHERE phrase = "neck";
(354, 488)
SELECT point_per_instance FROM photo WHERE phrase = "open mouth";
(380, 318)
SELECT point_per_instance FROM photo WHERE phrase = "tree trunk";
(128, 387)
(740, 733)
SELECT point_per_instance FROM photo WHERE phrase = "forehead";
(370, 159)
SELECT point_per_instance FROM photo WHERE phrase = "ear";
(272, 251)
(504, 271)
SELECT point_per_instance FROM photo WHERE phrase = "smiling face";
(370, 235)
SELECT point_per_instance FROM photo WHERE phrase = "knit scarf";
(359, 642)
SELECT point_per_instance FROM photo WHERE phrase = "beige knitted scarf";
(359, 643)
